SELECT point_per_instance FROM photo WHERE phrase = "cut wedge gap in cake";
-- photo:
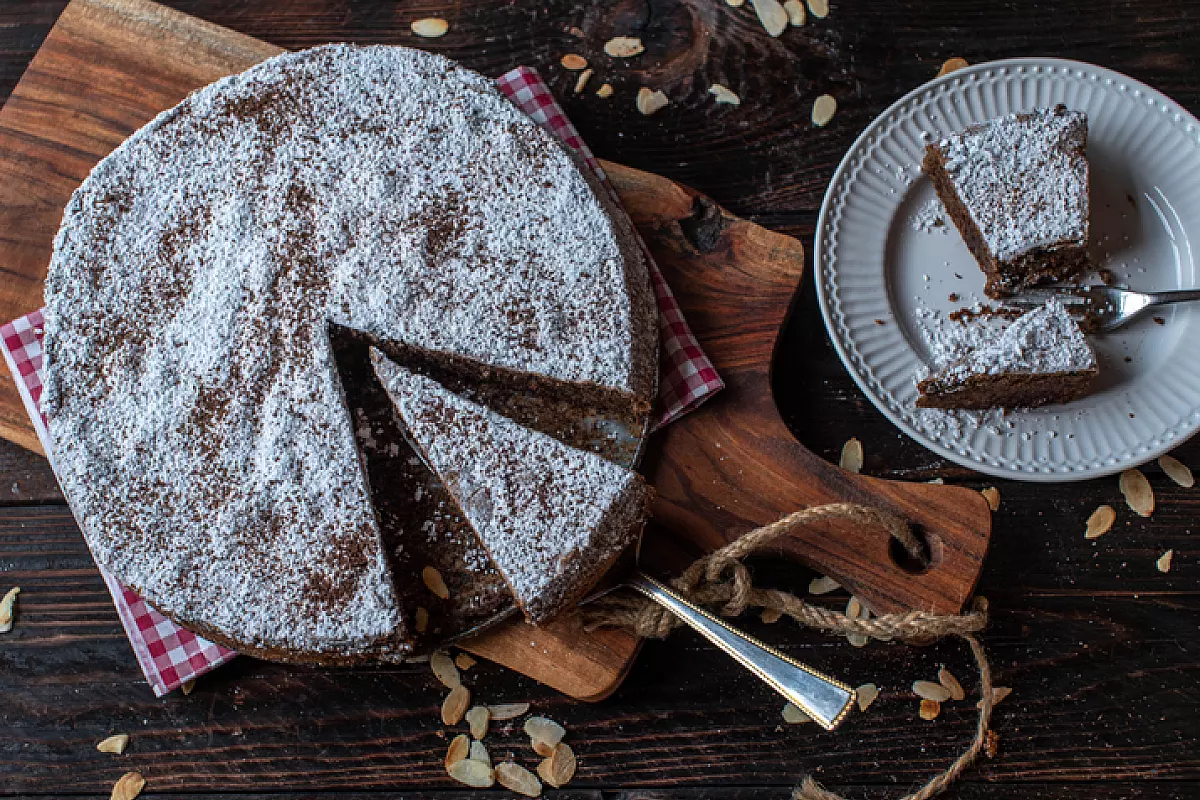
(553, 518)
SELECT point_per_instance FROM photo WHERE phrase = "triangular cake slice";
(1039, 359)
(553, 518)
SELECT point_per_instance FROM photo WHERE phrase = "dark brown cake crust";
(1005, 391)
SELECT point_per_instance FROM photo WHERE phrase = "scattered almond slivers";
(928, 690)
(856, 610)
(992, 495)
(1100, 522)
(793, 715)
(505, 711)
(772, 16)
(1137, 491)
(459, 750)
(6, 609)
(1177, 471)
(819, 8)
(430, 27)
(115, 744)
(128, 786)
(478, 718)
(952, 65)
(650, 100)
(516, 778)
(946, 678)
(735, 3)
(823, 108)
(544, 734)
(624, 47)
(866, 695)
(479, 753)
(930, 709)
(444, 669)
(473, 773)
(573, 62)
(852, 456)
(435, 583)
(582, 81)
(797, 15)
(771, 615)
(187, 686)
(455, 705)
(605, 91)
(724, 94)
(1164, 561)
(464, 661)
(559, 768)
(998, 694)
(822, 585)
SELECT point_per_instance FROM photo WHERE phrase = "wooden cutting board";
(108, 66)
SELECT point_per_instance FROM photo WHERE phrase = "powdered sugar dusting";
(930, 217)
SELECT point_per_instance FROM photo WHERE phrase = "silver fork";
(1102, 308)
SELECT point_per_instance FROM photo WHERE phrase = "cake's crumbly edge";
(1006, 390)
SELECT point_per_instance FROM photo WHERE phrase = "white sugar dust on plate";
(890, 263)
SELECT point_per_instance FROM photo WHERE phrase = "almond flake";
(114, 744)
(1177, 471)
(794, 715)
(1164, 561)
(952, 65)
(624, 47)
(128, 786)
(460, 748)
(435, 583)
(516, 778)
(854, 608)
(422, 619)
(771, 15)
(478, 718)
(858, 639)
(464, 661)
(479, 753)
(930, 709)
(823, 109)
(6, 609)
(866, 695)
(473, 773)
(582, 80)
(946, 678)
(187, 686)
(444, 669)
(998, 694)
(559, 768)
(735, 3)
(605, 91)
(992, 495)
(545, 733)
(650, 100)
(504, 711)
(928, 690)
(455, 705)
(797, 16)
(770, 615)
(1137, 491)
(822, 585)
(819, 8)
(573, 62)
(1100, 522)
(724, 95)
(430, 27)
(852, 456)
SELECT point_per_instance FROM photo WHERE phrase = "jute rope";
(722, 578)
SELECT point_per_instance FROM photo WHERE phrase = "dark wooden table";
(1102, 651)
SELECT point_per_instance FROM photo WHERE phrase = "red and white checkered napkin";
(170, 655)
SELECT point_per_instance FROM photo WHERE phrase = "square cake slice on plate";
(1017, 190)
(1040, 358)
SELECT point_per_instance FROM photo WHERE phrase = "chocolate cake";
(199, 426)
(1039, 358)
(1017, 190)
(552, 517)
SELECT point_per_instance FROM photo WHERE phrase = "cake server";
(1102, 309)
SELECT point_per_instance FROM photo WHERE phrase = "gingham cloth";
(170, 655)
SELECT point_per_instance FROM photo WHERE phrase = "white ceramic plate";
(874, 265)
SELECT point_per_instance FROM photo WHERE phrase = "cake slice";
(1017, 190)
(1040, 358)
(552, 518)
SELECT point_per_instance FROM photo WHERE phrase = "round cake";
(198, 421)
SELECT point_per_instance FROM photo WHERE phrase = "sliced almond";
(473, 773)
(651, 100)
(464, 661)
(794, 715)
(582, 80)
(542, 748)
(6, 609)
(430, 27)
(822, 585)
(854, 608)
(992, 495)
(823, 110)
(1164, 561)
(1100, 522)
(866, 695)
(930, 709)
(444, 669)
(928, 690)
(478, 718)
(516, 778)
(724, 94)
(735, 3)
(544, 734)
(115, 744)
(771, 15)
(852, 456)
(605, 91)
(479, 753)
(624, 47)
(858, 639)
(187, 686)
(819, 8)
(998, 694)
(128, 786)
(797, 15)
(1137, 491)
(946, 678)
(952, 65)
(460, 748)
(559, 768)
(504, 711)
(771, 615)
(434, 582)
(573, 62)
(455, 705)
(422, 619)
(1177, 471)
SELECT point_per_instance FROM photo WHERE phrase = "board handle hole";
(931, 553)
